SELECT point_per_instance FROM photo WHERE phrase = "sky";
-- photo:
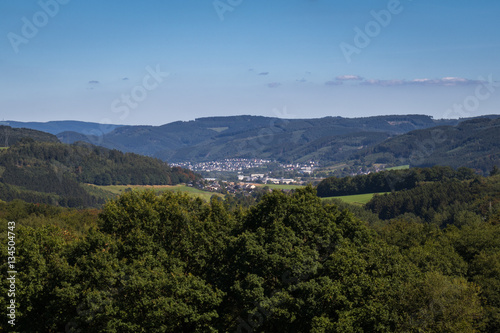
(158, 61)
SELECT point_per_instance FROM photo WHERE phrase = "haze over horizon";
(135, 63)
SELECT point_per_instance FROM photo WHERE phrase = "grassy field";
(401, 167)
(357, 199)
(280, 187)
(119, 189)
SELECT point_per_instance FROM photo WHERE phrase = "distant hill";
(417, 140)
(56, 127)
(286, 140)
(56, 173)
(10, 136)
(472, 143)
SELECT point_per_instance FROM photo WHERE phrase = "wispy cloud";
(264, 73)
(445, 81)
(92, 84)
(274, 85)
(384, 83)
(358, 80)
(349, 78)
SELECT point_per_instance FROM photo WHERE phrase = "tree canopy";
(172, 263)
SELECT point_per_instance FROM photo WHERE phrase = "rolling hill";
(56, 127)
(10, 136)
(286, 140)
(48, 171)
(415, 140)
(472, 143)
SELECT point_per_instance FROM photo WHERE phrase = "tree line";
(288, 263)
(388, 181)
(442, 203)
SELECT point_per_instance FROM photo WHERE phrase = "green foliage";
(471, 143)
(443, 202)
(53, 173)
(298, 140)
(440, 303)
(387, 181)
(494, 171)
(288, 263)
(10, 136)
(356, 199)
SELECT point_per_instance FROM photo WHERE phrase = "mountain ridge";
(472, 143)
(57, 126)
(214, 138)
(364, 141)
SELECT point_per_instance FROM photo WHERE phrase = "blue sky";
(158, 61)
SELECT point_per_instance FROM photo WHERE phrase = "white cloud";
(349, 78)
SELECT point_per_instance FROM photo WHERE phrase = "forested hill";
(390, 181)
(52, 172)
(56, 127)
(10, 136)
(217, 138)
(472, 143)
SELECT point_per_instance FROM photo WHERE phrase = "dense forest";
(10, 136)
(290, 262)
(56, 173)
(415, 140)
(444, 202)
(387, 181)
(329, 139)
(472, 143)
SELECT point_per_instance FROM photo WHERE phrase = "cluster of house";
(260, 177)
(241, 164)
(230, 187)
(233, 164)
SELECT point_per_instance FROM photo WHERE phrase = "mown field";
(279, 187)
(357, 199)
(119, 189)
(401, 167)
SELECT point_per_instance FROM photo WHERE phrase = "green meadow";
(279, 186)
(401, 167)
(357, 199)
(119, 189)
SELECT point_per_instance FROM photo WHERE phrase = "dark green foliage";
(494, 171)
(73, 222)
(289, 263)
(387, 181)
(472, 144)
(10, 136)
(395, 140)
(450, 257)
(443, 202)
(54, 172)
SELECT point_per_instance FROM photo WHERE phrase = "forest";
(421, 259)
(59, 174)
(472, 143)
(393, 180)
